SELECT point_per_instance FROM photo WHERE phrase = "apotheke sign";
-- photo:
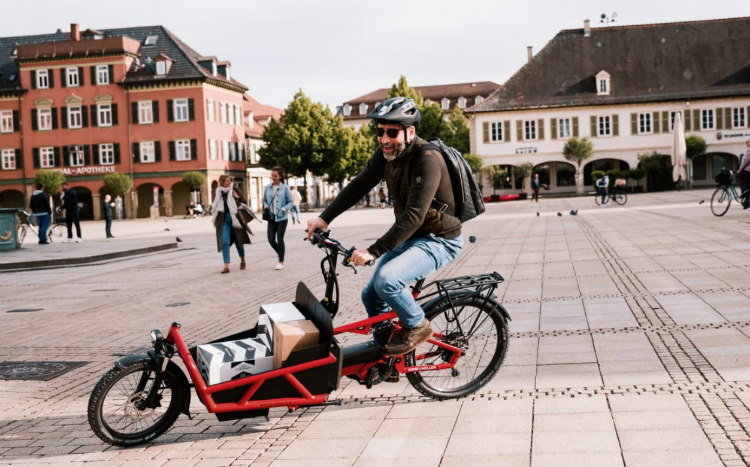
(87, 170)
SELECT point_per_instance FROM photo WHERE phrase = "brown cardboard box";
(289, 336)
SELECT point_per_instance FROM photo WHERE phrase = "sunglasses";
(391, 132)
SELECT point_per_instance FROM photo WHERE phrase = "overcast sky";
(336, 50)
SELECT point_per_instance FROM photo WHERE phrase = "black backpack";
(466, 193)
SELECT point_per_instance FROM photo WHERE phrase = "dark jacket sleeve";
(424, 180)
(357, 188)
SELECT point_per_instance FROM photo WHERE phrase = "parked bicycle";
(618, 195)
(55, 232)
(722, 197)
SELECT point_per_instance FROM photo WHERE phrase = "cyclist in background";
(602, 185)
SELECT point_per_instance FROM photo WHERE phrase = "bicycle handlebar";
(322, 239)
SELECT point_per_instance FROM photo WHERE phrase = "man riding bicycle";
(425, 235)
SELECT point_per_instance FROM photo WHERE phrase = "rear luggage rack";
(479, 284)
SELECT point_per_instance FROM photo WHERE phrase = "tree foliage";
(51, 180)
(695, 146)
(194, 179)
(475, 162)
(578, 150)
(456, 131)
(523, 170)
(117, 183)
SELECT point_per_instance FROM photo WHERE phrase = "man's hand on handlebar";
(362, 258)
(313, 225)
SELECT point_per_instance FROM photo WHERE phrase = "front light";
(156, 335)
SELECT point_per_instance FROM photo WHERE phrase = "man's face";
(393, 146)
(63, 188)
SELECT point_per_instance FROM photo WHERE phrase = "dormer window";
(461, 102)
(347, 110)
(478, 100)
(214, 69)
(227, 73)
(163, 64)
(161, 67)
(603, 85)
(363, 109)
(445, 103)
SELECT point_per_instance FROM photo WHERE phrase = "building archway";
(658, 173)
(85, 203)
(145, 193)
(180, 198)
(706, 166)
(604, 165)
(11, 199)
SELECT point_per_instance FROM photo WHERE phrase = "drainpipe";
(130, 158)
(23, 168)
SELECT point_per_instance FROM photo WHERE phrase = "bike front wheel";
(117, 411)
(620, 197)
(720, 201)
(21, 235)
(474, 325)
(56, 233)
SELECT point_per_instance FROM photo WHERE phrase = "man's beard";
(395, 150)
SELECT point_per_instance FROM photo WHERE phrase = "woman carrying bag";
(229, 228)
(277, 202)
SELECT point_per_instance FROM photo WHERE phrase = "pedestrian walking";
(229, 229)
(277, 200)
(743, 175)
(535, 185)
(69, 200)
(39, 204)
(296, 200)
(108, 210)
(381, 195)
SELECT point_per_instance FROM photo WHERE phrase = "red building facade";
(137, 101)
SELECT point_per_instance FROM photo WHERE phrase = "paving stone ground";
(630, 344)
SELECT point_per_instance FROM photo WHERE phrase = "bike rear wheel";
(620, 197)
(720, 202)
(21, 234)
(56, 232)
(477, 327)
(115, 410)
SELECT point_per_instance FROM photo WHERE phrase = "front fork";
(161, 361)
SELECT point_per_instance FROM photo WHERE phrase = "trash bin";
(8, 224)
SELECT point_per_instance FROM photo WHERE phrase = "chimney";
(586, 28)
(75, 34)
(530, 52)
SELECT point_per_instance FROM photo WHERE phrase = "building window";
(223, 112)
(347, 110)
(183, 149)
(148, 153)
(478, 100)
(445, 103)
(739, 119)
(605, 125)
(75, 118)
(46, 157)
(230, 114)
(644, 123)
(151, 40)
(363, 109)
(71, 77)
(104, 114)
(603, 86)
(237, 115)
(6, 121)
(707, 119)
(161, 67)
(212, 149)
(181, 110)
(225, 150)
(252, 154)
(42, 79)
(9, 159)
(461, 102)
(563, 128)
(102, 74)
(529, 130)
(210, 111)
(107, 154)
(44, 118)
(75, 156)
(672, 116)
(145, 112)
(496, 131)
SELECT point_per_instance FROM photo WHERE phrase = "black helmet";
(400, 110)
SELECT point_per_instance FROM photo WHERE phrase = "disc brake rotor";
(131, 407)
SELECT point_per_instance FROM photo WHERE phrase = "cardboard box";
(289, 336)
(272, 313)
(224, 361)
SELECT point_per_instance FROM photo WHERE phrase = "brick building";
(138, 101)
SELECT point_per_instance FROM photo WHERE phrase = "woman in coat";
(278, 199)
(229, 229)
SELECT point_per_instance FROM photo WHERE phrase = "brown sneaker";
(408, 339)
(242, 264)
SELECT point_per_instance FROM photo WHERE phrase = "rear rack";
(482, 284)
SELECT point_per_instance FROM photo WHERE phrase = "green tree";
(51, 180)
(117, 184)
(498, 177)
(456, 131)
(695, 146)
(194, 179)
(578, 150)
(355, 148)
(523, 170)
(649, 161)
(475, 163)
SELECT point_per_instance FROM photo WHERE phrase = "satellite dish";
(614, 15)
(603, 16)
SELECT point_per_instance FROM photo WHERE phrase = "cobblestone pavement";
(630, 345)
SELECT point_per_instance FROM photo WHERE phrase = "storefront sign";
(87, 170)
(720, 135)
(525, 150)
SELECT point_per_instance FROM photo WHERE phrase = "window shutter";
(155, 110)
(16, 126)
(51, 76)
(170, 111)
(519, 130)
(553, 128)
(665, 122)
(95, 153)
(655, 122)
(540, 129)
(34, 122)
(33, 79)
(63, 81)
(486, 132)
(64, 117)
(191, 109)
(19, 159)
(633, 124)
(80, 76)
(134, 113)
(728, 118)
(615, 125)
(114, 115)
(110, 74)
(86, 154)
(136, 152)
(506, 131)
(193, 149)
(575, 127)
(157, 151)
(65, 153)
(719, 118)
(593, 126)
(54, 118)
(171, 150)
(92, 74)
(35, 156)
(84, 116)
(58, 159)
(94, 116)
(697, 119)
(116, 148)
(688, 120)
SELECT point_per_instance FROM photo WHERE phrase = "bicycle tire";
(103, 394)
(493, 337)
(598, 199)
(720, 204)
(21, 234)
(56, 232)
(620, 197)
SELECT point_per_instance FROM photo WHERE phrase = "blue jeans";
(414, 259)
(43, 219)
(229, 235)
(603, 194)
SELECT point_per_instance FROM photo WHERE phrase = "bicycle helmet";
(400, 110)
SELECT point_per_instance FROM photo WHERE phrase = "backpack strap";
(434, 204)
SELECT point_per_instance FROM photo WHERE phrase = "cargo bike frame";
(142, 396)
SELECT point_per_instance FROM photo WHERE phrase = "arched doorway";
(85, 203)
(180, 198)
(658, 169)
(706, 166)
(145, 194)
(543, 170)
(566, 175)
(604, 165)
(11, 199)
